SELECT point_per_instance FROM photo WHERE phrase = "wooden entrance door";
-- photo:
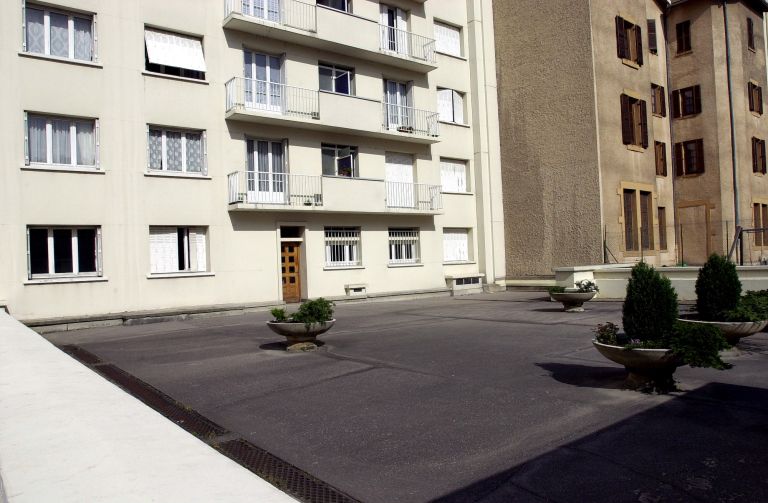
(291, 271)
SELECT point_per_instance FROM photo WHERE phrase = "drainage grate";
(283, 475)
(81, 354)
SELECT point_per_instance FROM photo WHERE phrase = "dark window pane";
(326, 78)
(345, 166)
(62, 250)
(38, 251)
(329, 160)
(342, 81)
(180, 232)
(86, 250)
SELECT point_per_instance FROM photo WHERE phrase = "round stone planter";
(732, 330)
(300, 333)
(572, 301)
(644, 365)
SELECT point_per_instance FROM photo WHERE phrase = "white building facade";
(216, 154)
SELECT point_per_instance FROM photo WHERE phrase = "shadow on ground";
(707, 445)
(586, 376)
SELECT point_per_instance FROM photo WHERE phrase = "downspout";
(736, 216)
(673, 163)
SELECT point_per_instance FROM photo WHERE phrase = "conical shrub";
(718, 288)
(650, 307)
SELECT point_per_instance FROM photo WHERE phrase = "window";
(760, 214)
(629, 41)
(59, 33)
(174, 54)
(683, 37)
(456, 245)
(453, 175)
(689, 157)
(177, 249)
(658, 100)
(64, 251)
(337, 79)
(758, 156)
(264, 9)
(652, 44)
(404, 246)
(662, 217)
(339, 160)
(661, 158)
(447, 39)
(755, 98)
(450, 106)
(343, 5)
(638, 227)
(634, 124)
(342, 247)
(686, 102)
(176, 151)
(62, 141)
(750, 34)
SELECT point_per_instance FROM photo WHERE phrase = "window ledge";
(397, 266)
(158, 174)
(174, 77)
(635, 148)
(683, 53)
(69, 279)
(461, 262)
(630, 63)
(343, 268)
(180, 275)
(752, 49)
(455, 124)
(333, 93)
(455, 56)
(78, 62)
(63, 169)
(691, 175)
(658, 115)
(756, 114)
(458, 193)
(686, 117)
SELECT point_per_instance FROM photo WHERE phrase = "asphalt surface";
(488, 398)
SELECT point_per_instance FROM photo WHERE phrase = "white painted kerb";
(68, 435)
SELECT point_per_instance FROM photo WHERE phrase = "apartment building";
(585, 136)
(215, 154)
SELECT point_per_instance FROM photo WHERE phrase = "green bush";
(314, 311)
(718, 288)
(754, 305)
(279, 315)
(607, 334)
(699, 345)
(650, 307)
(556, 289)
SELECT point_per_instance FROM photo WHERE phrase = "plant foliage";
(699, 345)
(314, 311)
(718, 289)
(556, 289)
(650, 308)
(587, 286)
(607, 333)
(279, 315)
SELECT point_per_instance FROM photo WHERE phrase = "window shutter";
(679, 166)
(750, 33)
(95, 40)
(663, 159)
(23, 26)
(621, 38)
(29, 258)
(652, 36)
(762, 156)
(26, 139)
(285, 156)
(751, 93)
(205, 153)
(458, 107)
(699, 156)
(663, 101)
(759, 99)
(676, 104)
(644, 124)
(639, 42)
(99, 254)
(445, 104)
(754, 155)
(626, 120)
(697, 99)
(97, 139)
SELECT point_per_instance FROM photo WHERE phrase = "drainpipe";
(672, 164)
(734, 161)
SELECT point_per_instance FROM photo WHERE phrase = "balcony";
(329, 29)
(261, 102)
(278, 192)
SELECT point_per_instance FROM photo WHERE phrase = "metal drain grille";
(283, 475)
(81, 354)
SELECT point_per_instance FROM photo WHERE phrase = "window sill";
(758, 173)
(630, 63)
(685, 117)
(685, 53)
(157, 174)
(657, 115)
(354, 96)
(691, 175)
(69, 279)
(467, 126)
(635, 148)
(454, 56)
(661, 176)
(180, 275)
(458, 193)
(461, 262)
(756, 114)
(353, 178)
(398, 266)
(78, 62)
(752, 49)
(174, 77)
(63, 169)
(343, 268)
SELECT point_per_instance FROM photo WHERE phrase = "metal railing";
(408, 44)
(410, 120)
(293, 13)
(286, 189)
(260, 95)
(416, 196)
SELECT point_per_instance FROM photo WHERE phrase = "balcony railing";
(410, 120)
(408, 44)
(260, 95)
(285, 189)
(293, 13)
(414, 196)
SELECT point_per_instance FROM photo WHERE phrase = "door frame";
(302, 256)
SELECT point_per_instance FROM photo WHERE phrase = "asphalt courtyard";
(488, 398)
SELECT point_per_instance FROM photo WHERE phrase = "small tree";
(650, 307)
(718, 288)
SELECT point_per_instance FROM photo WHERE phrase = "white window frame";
(202, 268)
(75, 253)
(72, 140)
(164, 156)
(354, 153)
(349, 247)
(457, 106)
(347, 6)
(336, 71)
(461, 256)
(71, 15)
(448, 170)
(405, 242)
(443, 42)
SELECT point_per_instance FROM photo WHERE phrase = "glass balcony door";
(263, 82)
(263, 9)
(266, 176)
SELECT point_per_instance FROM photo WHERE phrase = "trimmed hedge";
(718, 289)
(650, 308)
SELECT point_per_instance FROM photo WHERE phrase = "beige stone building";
(218, 154)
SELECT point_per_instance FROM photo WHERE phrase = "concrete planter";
(643, 365)
(297, 333)
(732, 330)
(572, 301)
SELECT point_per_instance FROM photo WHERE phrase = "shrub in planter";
(650, 307)
(699, 345)
(718, 289)
(314, 311)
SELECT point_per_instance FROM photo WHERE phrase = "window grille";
(342, 247)
(404, 246)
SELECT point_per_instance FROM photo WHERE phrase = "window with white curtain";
(178, 151)
(404, 246)
(450, 106)
(456, 245)
(453, 175)
(342, 247)
(447, 39)
(63, 141)
(178, 249)
(59, 33)
(63, 251)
